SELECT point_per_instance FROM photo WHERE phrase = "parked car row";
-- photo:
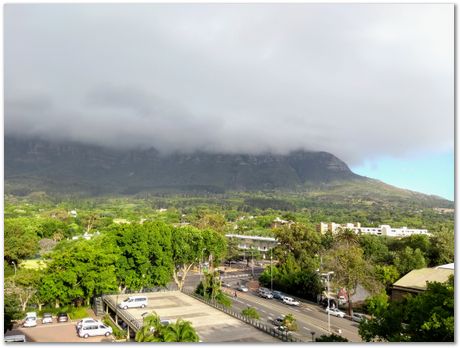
(265, 293)
(31, 319)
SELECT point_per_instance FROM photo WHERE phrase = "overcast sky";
(361, 81)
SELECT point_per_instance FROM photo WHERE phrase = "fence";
(286, 337)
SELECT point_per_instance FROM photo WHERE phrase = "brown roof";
(418, 278)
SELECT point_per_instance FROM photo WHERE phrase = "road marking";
(306, 328)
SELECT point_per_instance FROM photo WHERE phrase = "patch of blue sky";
(431, 174)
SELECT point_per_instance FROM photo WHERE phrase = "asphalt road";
(310, 317)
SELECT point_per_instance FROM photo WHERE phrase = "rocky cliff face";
(67, 167)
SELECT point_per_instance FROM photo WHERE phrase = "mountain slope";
(37, 165)
(73, 166)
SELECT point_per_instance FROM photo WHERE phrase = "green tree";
(180, 331)
(250, 312)
(331, 338)
(346, 260)
(290, 322)
(443, 243)
(426, 317)
(23, 285)
(20, 240)
(387, 275)
(187, 249)
(152, 329)
(79, 270)
(145, 254)
(409, 259)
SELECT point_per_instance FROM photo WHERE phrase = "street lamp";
(328, 274)
(271, 269)
(201, 263)
(313, 336)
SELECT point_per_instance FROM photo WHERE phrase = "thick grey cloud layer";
(357, 80)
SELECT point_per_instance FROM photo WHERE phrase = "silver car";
(95, 330)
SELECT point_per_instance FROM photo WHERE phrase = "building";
(280, 222)
(262, 244)
(382, 230)
(416, 280)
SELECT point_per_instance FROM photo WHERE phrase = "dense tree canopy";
(426, 317)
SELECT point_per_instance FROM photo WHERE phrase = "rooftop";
(418, 278)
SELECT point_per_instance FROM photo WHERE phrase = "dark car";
(62, 317)
(278, 295)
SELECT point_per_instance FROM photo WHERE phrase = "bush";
(117, 332)
(331, 338)
(73, 312)
(223, 299)
(250, 312)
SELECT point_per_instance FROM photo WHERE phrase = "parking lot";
(211, 324)
(55, 332)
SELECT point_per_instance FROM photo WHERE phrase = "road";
(310, 317)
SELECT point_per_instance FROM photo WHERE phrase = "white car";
(87, 321)
(47, 318)
(335, 312)
(134, 301)
(290, 301)
(95, 330)
(30, 320)
(242, 288)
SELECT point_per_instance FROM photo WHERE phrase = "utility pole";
(271, 269)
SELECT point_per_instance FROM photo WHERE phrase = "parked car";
(95, 330)
(266, 294)
(242, 288)
(290, 301)
(30, 320)
(335, 312)
(133, 302)
(278, 295)
(47, 318)
(62, 317)
(87, 321)
(226, 285)
(358, 317)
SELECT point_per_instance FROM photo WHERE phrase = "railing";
(127, 317)
(286, 337)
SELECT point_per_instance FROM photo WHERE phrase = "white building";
(260, 243)
(382, 230)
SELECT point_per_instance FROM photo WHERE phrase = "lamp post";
(328, 302)
(201, 263)
(313, 336)
(14, 265)
(271, 269)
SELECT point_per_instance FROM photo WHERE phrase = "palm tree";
(152, 329)
(347, 237)
(181, 331)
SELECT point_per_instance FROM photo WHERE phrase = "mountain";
(66, 167)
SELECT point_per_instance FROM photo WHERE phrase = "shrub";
(250, 312)
(117, 332)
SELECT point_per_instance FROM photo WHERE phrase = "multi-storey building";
(382, 230)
